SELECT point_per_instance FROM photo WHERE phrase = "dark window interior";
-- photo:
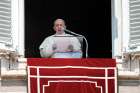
(91, 19)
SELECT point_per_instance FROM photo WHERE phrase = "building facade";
(125, 37)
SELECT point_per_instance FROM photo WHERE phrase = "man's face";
(59, 26)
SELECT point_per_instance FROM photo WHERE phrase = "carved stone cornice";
(9, 55)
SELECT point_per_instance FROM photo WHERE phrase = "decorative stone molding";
(131, 61)
(12, 56)
(131, 56)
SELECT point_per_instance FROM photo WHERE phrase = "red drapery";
(71, 75)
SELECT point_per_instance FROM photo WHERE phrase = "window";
(12, 25)
(125, 26)
(5, 22)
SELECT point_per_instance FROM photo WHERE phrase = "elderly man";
(60, 45)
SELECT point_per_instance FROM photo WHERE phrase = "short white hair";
(59, 19)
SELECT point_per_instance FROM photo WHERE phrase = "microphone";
(69, 31)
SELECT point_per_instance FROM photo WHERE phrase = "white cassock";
(61, 46)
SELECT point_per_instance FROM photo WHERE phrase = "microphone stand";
(81, 36)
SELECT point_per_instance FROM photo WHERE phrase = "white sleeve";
(76, 44)
(45, 48)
